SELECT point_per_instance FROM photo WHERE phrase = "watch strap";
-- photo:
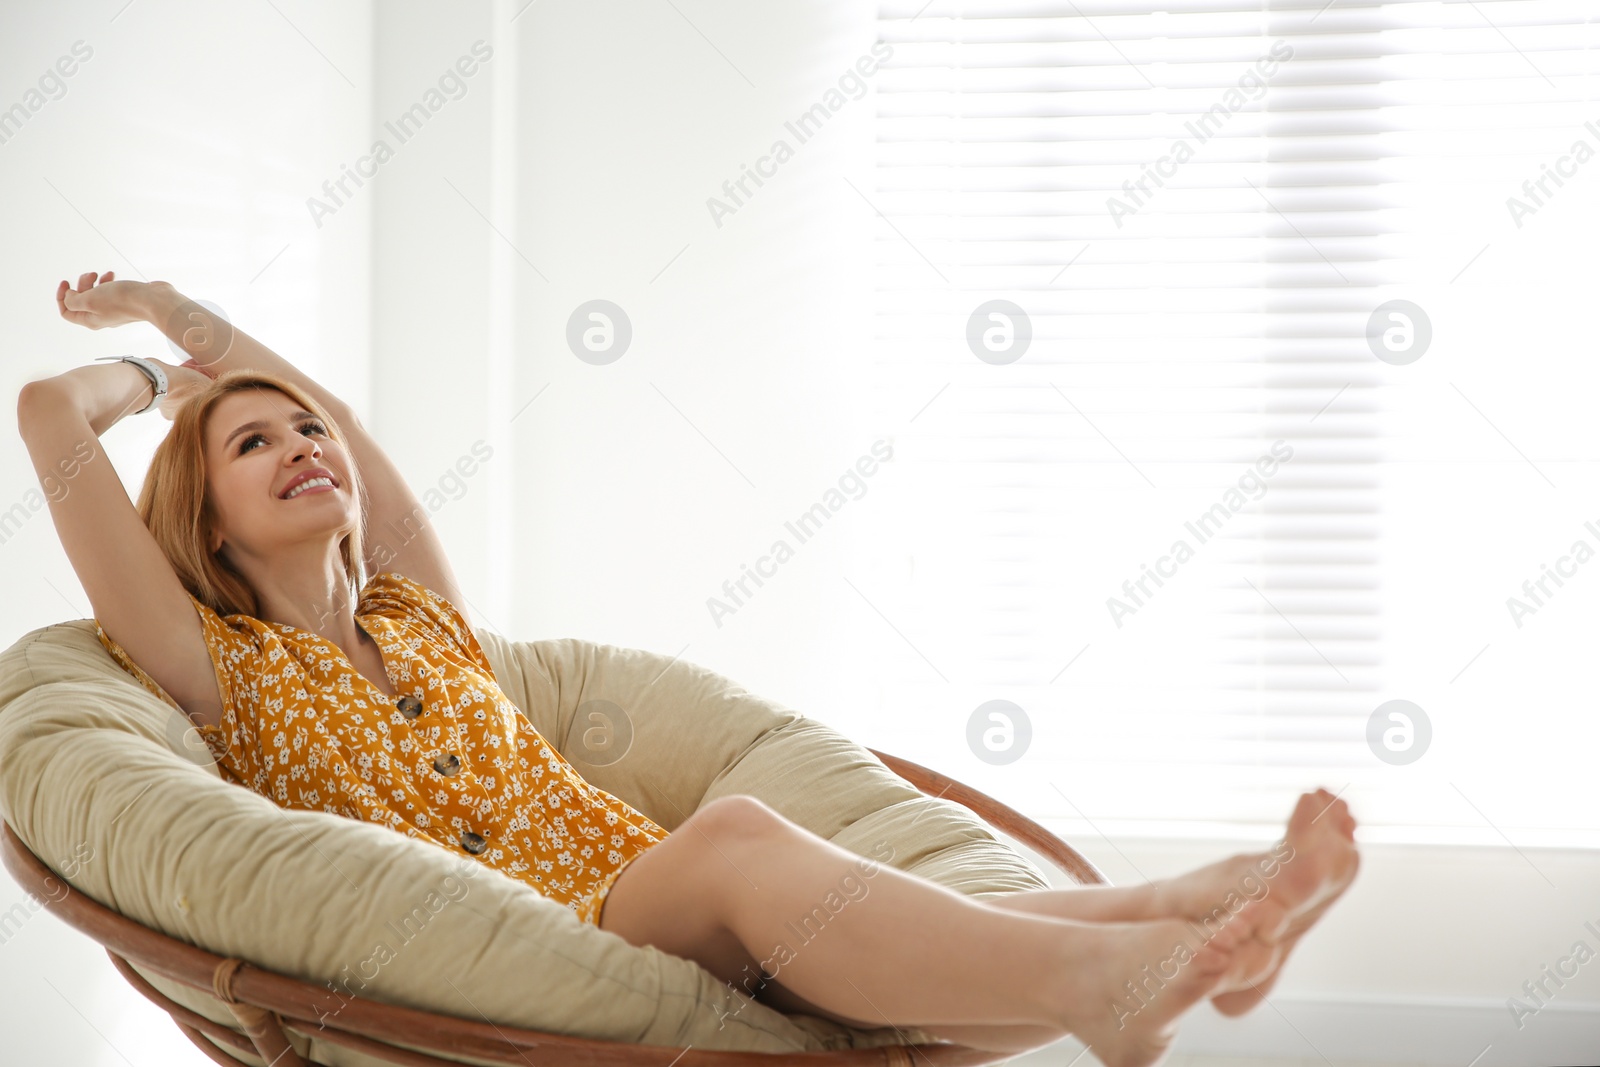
(157, 376)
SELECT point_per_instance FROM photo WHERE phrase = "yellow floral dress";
(451, 760)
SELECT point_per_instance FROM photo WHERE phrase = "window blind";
(1184, 528)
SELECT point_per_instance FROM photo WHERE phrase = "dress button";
(447, 764)
(472, 842)
(409, 706)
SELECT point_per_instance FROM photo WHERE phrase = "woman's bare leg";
(997, 1037)
(1089, 903)
(1256, 958)
(873, 946)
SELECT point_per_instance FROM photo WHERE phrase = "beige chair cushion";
(94, 766)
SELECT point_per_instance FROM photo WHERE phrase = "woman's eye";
(314, 426)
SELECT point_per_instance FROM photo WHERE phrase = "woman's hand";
(108, 303)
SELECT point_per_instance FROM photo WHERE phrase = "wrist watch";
(157, 376)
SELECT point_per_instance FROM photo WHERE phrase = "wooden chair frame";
(266, 1004)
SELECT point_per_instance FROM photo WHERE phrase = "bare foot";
(1133, 980)
(1322, 834)
(1304, 874)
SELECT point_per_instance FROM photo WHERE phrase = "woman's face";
(257, 443)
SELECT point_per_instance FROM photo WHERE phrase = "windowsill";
(1251, 834)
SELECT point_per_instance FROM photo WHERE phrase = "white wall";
(576, 165)
(626, 494)
(171, 153)
(183, 148)
(604, 513)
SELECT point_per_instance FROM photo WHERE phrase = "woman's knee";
(683, 881)
(737, 817)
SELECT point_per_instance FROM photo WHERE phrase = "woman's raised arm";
(212, 342)
(400, 536)
(137, 598)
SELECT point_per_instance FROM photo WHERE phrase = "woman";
(233, 595)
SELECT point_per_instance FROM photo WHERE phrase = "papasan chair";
(288, 937)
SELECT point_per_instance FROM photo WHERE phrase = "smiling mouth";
(310, 485)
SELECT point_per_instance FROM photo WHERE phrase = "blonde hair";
(176, 506)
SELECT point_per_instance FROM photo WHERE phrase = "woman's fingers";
(61, 302)
(72, 303)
